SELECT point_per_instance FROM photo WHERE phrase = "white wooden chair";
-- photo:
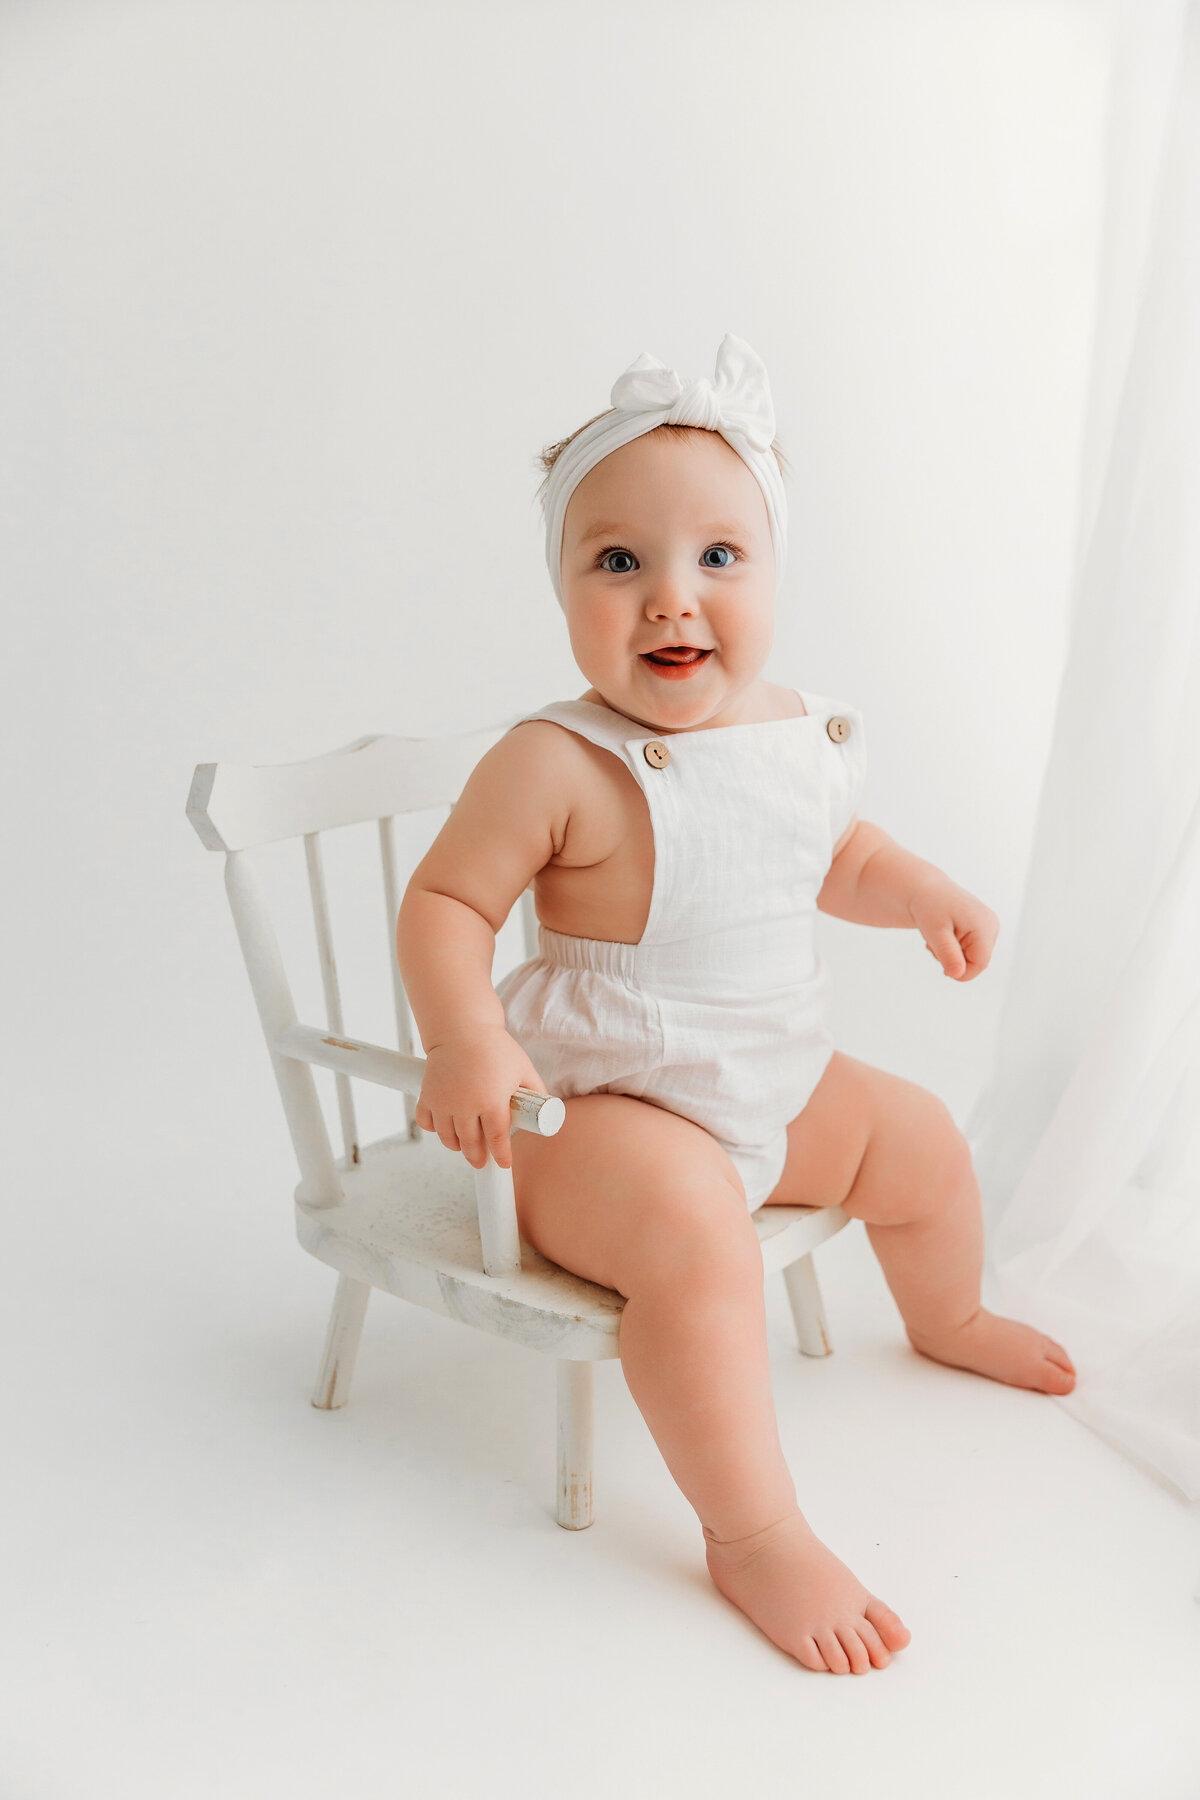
(403, 1213)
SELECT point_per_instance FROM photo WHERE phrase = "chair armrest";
(529, 1111)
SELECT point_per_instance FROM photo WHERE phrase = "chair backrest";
(238, 808)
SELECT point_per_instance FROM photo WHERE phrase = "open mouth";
(675, 659)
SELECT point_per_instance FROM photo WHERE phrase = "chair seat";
(409, 1225)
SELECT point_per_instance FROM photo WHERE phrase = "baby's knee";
(697, 1230)
(940, 1147)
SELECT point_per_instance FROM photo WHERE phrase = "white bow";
(737, 404)
(738, 397)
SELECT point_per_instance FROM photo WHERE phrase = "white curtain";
(1087, 1138)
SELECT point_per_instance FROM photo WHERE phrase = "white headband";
(736, 403)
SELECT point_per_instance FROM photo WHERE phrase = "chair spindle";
(329, 981)
(529, 923)
(391, 904)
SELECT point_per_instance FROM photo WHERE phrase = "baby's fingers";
(485, 1133)
(470, 1140)
(444, 1128)
(423, 1114)
(497, 1129)
(943, 944)
(978, 952)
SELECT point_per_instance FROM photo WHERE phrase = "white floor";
(215, 1591)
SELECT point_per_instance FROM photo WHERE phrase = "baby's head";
(667, 534)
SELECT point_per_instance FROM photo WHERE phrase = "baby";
(680, 822)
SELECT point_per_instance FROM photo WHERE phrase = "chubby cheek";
(745, 637)
(597, 643)
(606, 633)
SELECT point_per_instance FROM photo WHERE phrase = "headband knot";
(738, 396)
(736, 403)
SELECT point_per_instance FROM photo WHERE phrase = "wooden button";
(656, 754)
(838, 728)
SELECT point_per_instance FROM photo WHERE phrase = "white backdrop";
(293, 294)
(290, 295)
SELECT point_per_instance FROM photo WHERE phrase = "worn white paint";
(409, 1224)
(808, 1314)
(575, 1409)
(495, 1203)
(404, 1214)
(341, 1343)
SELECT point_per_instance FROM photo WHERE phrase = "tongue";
(676, 655)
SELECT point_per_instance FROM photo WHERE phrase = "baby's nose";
(670, 598)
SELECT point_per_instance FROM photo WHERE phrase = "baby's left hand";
(958, 929)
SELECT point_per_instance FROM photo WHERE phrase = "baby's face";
(666, 545)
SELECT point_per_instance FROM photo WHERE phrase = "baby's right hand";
(465, 1095)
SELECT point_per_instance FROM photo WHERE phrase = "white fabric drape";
(1087, 1139)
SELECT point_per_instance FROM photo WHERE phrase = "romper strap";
(599, 724)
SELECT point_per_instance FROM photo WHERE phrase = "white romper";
(718, 1012)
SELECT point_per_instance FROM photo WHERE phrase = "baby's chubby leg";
(888, 1152)
(645, 1202)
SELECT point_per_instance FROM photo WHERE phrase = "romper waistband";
(587, 953)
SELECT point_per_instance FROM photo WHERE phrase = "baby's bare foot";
(1004, 1349)
(807, 1602)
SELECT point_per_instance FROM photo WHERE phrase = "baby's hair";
(550, 455)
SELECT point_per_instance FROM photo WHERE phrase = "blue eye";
(630, 561)
(724, 550)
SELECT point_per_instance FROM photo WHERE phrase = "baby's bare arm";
(874, 881)
(508, 822)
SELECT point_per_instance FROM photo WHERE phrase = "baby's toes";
(836, 1660)
(877, 1650)
(856, 1650)
(1059, 1370)
(807, 1653)
(888, 1624)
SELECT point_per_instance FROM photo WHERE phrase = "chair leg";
(575, 1386)
(341, 1343)
(800, 1279)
